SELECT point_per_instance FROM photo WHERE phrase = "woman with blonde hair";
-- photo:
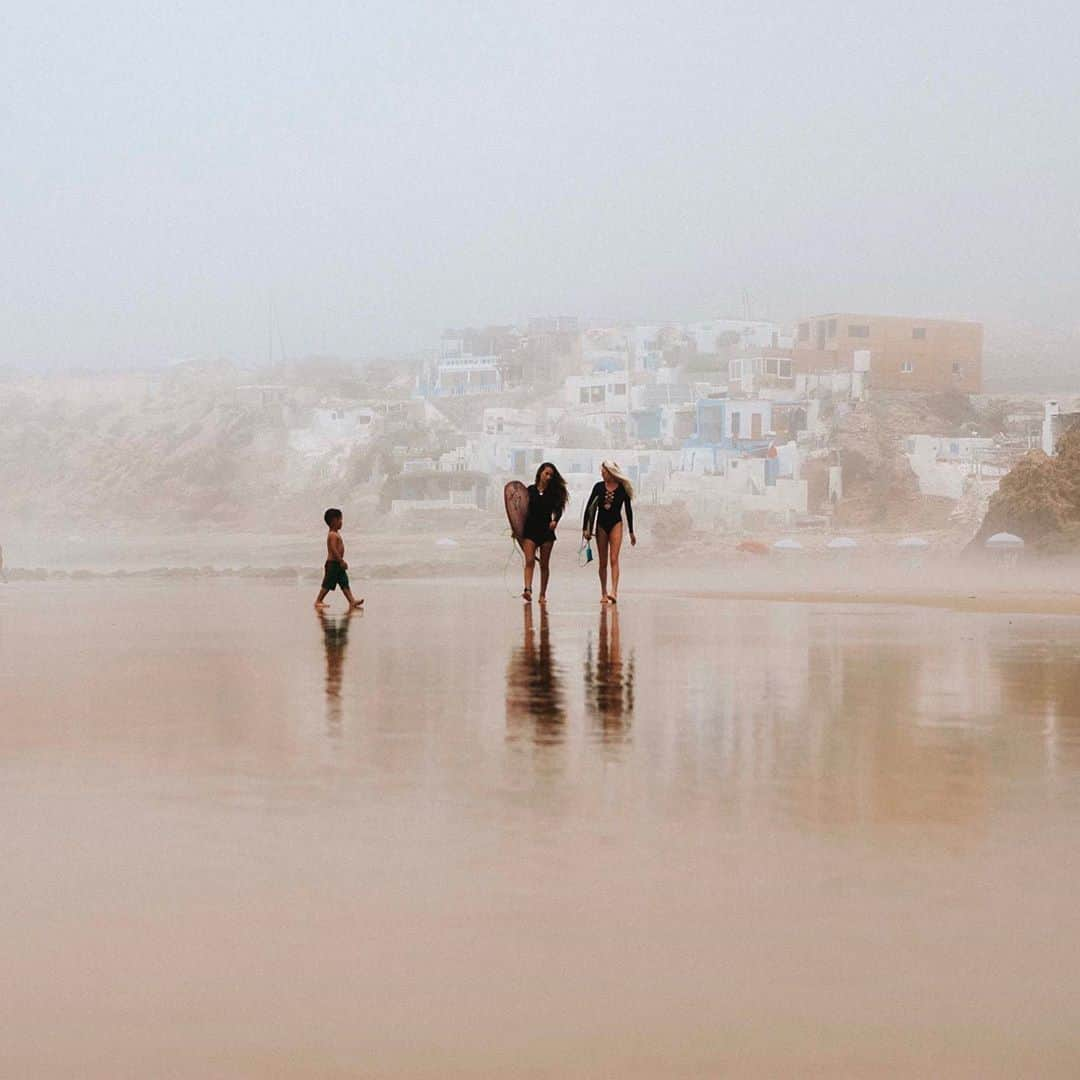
(603, 515)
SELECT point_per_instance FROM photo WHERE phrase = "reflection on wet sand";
(335, 630)
(535, 702)
(851, 826)
(609, 690)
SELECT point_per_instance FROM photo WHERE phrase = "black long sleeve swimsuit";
(608, 508)
(543, 506)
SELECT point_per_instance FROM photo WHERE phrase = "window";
(735, 425)
(584, 395)
(736, 369)
(957, 368)
(785, 369)
(597, 393)
(860, 330)
(804, 331)
(832, 328)
(770, 365)
(907, 367)
(918, 333)
(619, 389)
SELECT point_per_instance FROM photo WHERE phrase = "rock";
(1039, 501)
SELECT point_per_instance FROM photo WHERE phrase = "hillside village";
(870, 426)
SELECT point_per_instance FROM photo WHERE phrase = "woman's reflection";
(609, 686)
(534, 694)
(335, 630)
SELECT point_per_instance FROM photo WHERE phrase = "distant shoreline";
(974, 597)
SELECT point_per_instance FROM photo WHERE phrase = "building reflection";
(1040, 690)
(535, 701)
(609, 683)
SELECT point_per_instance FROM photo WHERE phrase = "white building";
(336, 427)
(1056, 421)
(943, 465)
(599, 392)
(467, 375)
(711, 335)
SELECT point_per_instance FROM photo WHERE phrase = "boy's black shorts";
(334, 576)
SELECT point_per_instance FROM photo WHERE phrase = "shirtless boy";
(335, 569)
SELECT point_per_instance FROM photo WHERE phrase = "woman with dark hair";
(603, 513)
(547, 500)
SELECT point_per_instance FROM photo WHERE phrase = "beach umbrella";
(841, 543)
(1006, 548)
(912, 543)
(787, 545)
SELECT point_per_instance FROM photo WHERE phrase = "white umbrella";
(1004, 540)
(912, 542)
(787, 545)
(841, 542)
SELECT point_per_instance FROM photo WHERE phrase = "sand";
(449, 837)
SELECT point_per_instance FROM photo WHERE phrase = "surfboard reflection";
(609, 683)
(535, 701)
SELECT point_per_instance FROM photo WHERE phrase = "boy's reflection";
(609, 686)
(534, 695)
(335, 638)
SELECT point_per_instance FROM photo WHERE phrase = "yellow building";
(905, 354)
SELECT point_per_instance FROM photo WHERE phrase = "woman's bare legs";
(545, 561)
(602, 556)
(529, 550)
(614, 546)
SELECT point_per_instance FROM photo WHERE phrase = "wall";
(892, 343)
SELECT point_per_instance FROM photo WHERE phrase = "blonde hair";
(617, 474)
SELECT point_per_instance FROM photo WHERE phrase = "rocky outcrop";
(1039, 500)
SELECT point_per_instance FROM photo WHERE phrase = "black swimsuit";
(607, 507)
(542, 508)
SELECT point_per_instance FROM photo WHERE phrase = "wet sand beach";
(453, 836)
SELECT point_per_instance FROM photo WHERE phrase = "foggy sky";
(380, 171)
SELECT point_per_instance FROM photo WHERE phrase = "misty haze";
(540, 541)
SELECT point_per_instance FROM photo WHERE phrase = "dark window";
(957, 368)
(858, 331)
(734, 425)
(804, 331)
(918, 333)
(907, 367)
(832, 328)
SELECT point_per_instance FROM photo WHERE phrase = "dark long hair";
(556, 485)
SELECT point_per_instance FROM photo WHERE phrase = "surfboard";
(516, 497)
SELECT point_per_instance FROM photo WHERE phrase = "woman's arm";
(629, 513)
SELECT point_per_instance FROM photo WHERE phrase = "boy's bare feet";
(357, 603)
(320, 606)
